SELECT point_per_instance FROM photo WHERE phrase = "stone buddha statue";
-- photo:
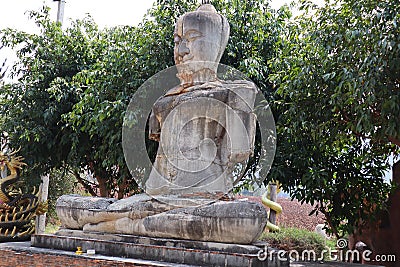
(204, 126)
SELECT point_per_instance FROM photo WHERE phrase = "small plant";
(291, 239)
(61, 182)
(51, 228)
(332, 243)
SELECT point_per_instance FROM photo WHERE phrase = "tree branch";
(85, 184)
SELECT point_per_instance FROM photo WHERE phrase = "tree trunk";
(387, 239)
(122, 188)
(103, 186)
(394, 211)
(40, 224)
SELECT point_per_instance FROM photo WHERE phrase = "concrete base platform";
(23, 254)
(194, 253)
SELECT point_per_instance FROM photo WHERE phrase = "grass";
(290, 239)
(332, 243)
(52, 226)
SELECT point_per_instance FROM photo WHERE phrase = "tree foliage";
(338, 103)
(34, 105)
(2, 74)
(74, 85)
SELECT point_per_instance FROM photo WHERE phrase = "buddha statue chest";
(203, 132)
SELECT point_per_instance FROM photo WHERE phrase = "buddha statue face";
(200, 40)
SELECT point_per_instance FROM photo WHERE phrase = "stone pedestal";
(190, 253)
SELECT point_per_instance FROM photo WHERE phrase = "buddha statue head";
(200, 40)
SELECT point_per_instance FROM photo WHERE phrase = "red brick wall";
(11, 258)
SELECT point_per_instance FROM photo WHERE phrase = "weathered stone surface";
(205, 131)
(200, 36)
(74, 210)
(78, 202)
(156, 241)
(224, 221)
(192, 253)
(219, 222)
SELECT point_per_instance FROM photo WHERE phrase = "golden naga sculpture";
(17, 210)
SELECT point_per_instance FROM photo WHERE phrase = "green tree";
(2, 74)
(338, 100)
(2, 68)
(74, 85)
(33, 106)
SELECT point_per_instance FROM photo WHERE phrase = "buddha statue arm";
(243, 145)
(154, 128)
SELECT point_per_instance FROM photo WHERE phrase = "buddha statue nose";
(183, 50)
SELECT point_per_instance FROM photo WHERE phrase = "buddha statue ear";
(224, 37)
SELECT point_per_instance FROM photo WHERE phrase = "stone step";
(194, 253)
(23, 254)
